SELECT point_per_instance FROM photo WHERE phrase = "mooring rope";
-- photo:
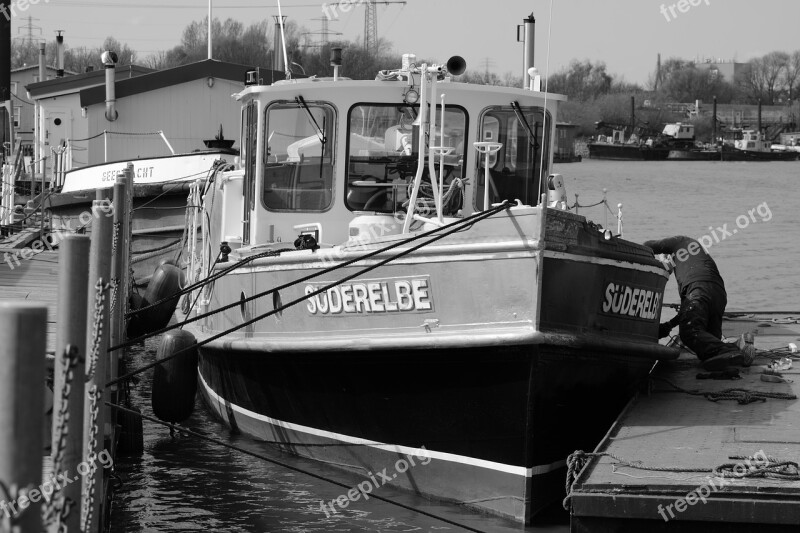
(451, 228)
(743, 396)
(176, 427)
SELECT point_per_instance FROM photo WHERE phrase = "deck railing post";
(67, 444)
(23, 334)
(97, 342)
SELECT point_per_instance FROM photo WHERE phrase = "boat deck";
(678, 432)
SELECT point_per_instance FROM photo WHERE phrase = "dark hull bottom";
(626, 152)
(496, 423)
(745, 155)
(567, 159)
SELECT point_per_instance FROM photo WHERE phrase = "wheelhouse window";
(298, 159)
(383, 153)
(515, 170)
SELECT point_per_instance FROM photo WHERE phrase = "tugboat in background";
(753, 146)
(642, 143)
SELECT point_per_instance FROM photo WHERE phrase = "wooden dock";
(666, 444)
(29, 275)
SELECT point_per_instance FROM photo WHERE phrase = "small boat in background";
(644, 145)
(161, 189)
(752, 146)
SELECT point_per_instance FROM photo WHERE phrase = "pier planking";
(671, 429)
(34, 279)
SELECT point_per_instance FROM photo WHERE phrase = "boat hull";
(158, 223)
(626, 152)
(750, 155)
(510, 356)
(490, 426)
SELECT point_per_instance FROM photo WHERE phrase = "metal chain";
(97, 325)
(58, 507)
(115, 238)
(87, 494)
(114, 294)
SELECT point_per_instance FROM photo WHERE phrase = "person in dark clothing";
(703, 301)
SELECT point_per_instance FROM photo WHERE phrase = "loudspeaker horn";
(456, 65)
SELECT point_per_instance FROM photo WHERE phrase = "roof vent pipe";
(42, 63)
(59, 55)
(109, 60)
(528, 38)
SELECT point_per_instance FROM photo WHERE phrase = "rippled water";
(186, 484)
(760, 262)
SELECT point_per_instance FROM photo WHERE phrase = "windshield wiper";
(320, 132)
(524, 123)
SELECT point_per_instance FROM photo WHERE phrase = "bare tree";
(774, 66)
(752, 80)
(792, 73)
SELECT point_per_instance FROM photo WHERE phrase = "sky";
(626, 34)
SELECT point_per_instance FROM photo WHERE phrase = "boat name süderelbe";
(372, 296)
(633, 302)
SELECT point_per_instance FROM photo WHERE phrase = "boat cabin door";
(249, 161)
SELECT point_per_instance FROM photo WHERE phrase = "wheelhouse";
(318, 154)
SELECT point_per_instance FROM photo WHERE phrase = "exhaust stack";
(277, 45)
(59, 55)
(42, 63)
(109, 60)
(529, 41)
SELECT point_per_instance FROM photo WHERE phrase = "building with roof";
(189, 103)
(59, 110)
(23, 108)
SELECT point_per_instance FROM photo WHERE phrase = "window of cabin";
(515, 170)
(298, 160)
(13, 87)
(383, 154)
(17, 116)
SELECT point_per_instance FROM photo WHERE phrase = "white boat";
(161, 188)
(486, 330)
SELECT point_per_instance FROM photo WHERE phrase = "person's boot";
(724, 360)
(745, 343)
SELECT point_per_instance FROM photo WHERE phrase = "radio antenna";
(283, 40)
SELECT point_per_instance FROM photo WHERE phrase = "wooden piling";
(118, 270)
(97, 342)
(23, 333)
(71, 333)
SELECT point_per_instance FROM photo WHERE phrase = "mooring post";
(23, 334)
(97, 342)
(70, 376)
(127, 231)
(118, 271)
